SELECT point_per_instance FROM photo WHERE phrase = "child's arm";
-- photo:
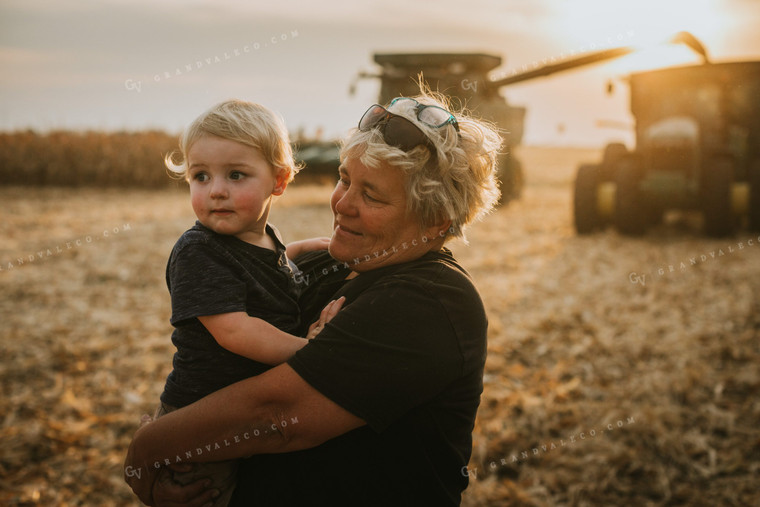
(297, 248)
(259, 340)
(251, 337)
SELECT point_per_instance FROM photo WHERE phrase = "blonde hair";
(458, 182)
(244, 122)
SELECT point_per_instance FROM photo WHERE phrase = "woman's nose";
(345, 204)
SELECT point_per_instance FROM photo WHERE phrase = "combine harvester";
(697, 131)
(697, 148)
(465, 78)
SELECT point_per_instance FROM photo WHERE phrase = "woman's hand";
(139, 476)
(328, 312)
(296, 248)
(155, 486)
(168, 493)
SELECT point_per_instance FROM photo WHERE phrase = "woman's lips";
(345, 230)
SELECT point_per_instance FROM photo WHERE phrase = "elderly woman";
(379, 408)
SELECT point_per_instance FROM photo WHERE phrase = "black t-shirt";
(406, 354)
(210, 274)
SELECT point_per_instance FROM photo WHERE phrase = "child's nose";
(218, 189)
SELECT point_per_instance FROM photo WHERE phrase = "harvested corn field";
(621, 371)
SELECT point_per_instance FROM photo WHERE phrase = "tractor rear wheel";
(585, 209)
(613, 154)
(629, 213)
(511, 178)
(754, 196)
(717, 180)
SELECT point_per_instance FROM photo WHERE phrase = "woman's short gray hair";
(457, 183)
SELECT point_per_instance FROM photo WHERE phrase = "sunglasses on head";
(401, 132)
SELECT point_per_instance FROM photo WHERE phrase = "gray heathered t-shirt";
(210, 274)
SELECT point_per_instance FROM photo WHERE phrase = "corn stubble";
(574, 347)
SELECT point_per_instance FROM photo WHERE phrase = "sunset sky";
(114, 64)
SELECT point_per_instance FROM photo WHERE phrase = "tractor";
(697, 148)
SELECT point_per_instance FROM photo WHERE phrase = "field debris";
(598, 390)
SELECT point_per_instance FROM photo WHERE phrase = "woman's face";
(370, 218)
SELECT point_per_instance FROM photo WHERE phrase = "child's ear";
(281, 181)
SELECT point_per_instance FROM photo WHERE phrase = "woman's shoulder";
(437, 286)
(435, 278)
(435, 266)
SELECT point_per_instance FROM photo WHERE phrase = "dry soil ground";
(621, 371)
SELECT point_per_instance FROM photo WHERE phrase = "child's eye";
(201, 177)
(236, 175)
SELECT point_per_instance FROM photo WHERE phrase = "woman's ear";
(281, 181)
(439, 229)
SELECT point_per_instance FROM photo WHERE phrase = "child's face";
(231, 186)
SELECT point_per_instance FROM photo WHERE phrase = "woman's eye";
(370, 198)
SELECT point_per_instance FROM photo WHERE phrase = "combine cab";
(697, 148)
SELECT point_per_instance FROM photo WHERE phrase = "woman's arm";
(274, 412)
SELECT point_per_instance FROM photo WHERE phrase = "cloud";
(72, 59)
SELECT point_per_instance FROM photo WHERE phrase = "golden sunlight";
(651, 24)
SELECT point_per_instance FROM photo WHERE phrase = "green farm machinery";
(697, 148)
(465, 78)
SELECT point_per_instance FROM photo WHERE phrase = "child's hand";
(329, 311)
(296, 248)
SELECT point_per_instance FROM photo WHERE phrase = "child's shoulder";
(197, 234)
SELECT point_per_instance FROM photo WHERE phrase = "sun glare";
(649, 24)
